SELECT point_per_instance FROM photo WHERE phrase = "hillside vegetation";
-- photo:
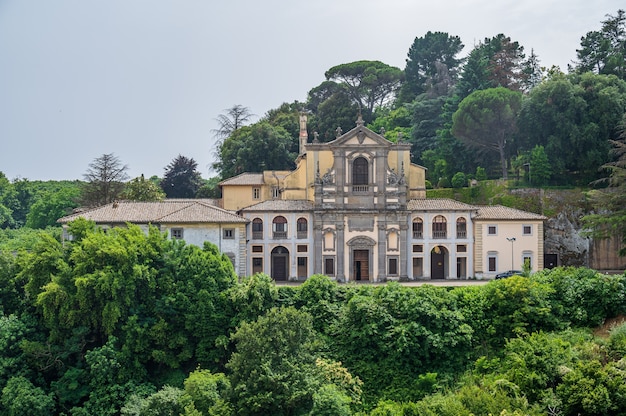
(128, 323)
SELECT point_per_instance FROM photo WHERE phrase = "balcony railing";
(360, 189)
(461, 234)
(302, 234)
(257, 235)
(418, 235)
(280, 235)
(439, 234)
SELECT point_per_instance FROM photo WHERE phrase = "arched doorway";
(280, 263)
(438, 262)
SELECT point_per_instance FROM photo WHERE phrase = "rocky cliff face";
(564, 234)
(563, 238)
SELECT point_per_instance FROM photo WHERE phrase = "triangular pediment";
(360, 136)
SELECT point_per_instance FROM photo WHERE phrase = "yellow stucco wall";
(235, 197)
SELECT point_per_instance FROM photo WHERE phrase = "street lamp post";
(511, 240)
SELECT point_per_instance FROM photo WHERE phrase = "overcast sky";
(146, 79)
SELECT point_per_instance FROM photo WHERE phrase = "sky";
(147, 79)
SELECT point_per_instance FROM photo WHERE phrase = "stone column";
(318, 238)
(404, 249)
(341, 247)
(382, 249)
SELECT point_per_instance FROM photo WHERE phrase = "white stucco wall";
(510, 254)
(197, 234)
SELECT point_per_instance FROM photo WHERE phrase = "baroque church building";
(355, 209)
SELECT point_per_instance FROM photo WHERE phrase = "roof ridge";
(186, 206)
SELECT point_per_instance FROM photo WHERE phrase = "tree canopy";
(368, 83)
(604, 51)
(181, 179)
(105, 179)
(256, 148)
(430, 58)
(487, 119)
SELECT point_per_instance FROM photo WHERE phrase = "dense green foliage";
(256, 148)
(132, 323)
(486, 119)
(181, 178)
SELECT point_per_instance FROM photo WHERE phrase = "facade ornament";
(338, 131)
(382, 131)
(318, 179)
(316, 137)
(402, 178)
(399, 137)
(359, 120)
(392, 177)
(327, 179)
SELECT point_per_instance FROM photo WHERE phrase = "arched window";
(302, 228)
(280, 227)
(360, 173)
(418, 228)
(439, 227)
(461, 228)
(257, 229)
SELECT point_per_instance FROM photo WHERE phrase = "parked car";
(508, 273)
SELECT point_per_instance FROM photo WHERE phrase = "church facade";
(355, 209)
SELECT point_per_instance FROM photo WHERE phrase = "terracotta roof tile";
(166, 211)
(244, 179)
(499, 212)
(281, 205)
(438, 204)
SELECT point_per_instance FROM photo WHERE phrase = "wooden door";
(361, 265)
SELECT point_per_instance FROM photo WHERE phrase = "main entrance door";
(280, 263)
(361, 265)
(438, 261)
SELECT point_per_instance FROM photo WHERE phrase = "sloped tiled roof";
(166, 211)
(499, 212)
(244, 179)
(438, 204)
(281, 205)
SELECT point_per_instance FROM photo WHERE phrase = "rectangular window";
(393, 266)
(527, 230)
(461, 248)
(176, 233)
(302, 248)
(257, 265)
(492, 230)
(302, 267)
(527, 259)
(491, 260)
(257, 249)
(461, 267)
(256, 193)
(275, 192)
(418, 248)
(329, 266)
(418, 267)
(229, 233)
